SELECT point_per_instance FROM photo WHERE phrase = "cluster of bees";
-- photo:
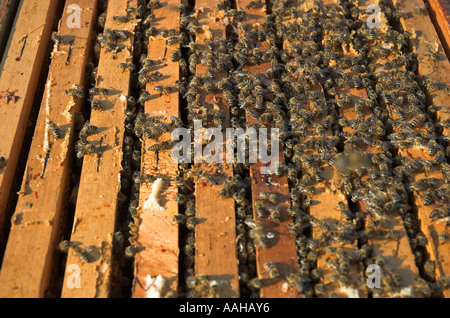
(322, 63)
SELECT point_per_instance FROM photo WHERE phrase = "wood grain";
(99, 190)
(37, 219)
(215, 238)
(282, 252)
(157, 233)
(19, 75)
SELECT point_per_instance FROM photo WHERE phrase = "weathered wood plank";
(215, 238)
(440, 14)
(18, 82)
(157, 233)
(37, 219)
(438, 71)
(424, 38)
(8, 9)
(397, 254)
(283, 251)
(99, 190)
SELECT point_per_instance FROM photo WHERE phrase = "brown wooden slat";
(440, 14)
(440, 74)
(397, 255)
(325, 201)
(19, 77)
(283, 252)
(426, 37)
(215, 238)
(99, 190)
(37, 219)
(157, 233)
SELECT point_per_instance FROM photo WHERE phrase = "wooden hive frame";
(39, 214)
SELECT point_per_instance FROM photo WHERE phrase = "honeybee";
(56, 37)
(153, 77)
(98, 91)
(258, 233)
(440, 213)
(64, 246)
(96, 104)
(255, 284)
(87, 130)
(176, 122)
(140, 124)
(432, 54)
(191, 222)
(121, 19)
(274, 214)
(346, 213)
(271, 197)
(164, 89)
(122, 34)
(272, 270)
(130, 251)
(444, 238)
(127, 66)
(75, 91)
(209, 178)
(163, 145)
(83, 148)
(54, 129)
(144, 97)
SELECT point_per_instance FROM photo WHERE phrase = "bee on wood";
(432, 54)
(75, 92)
(164, 89)
(127, 66)
(346, 213)
(163, 145)
(258, 233)
(428, 199)
(175, 40)
(96, 104)
(153, 77)
(296, 282)
(153, 4)
(179, 218)
(444, 238)
(56, 37)
(176, 55)
(101, 20)
(176, 122)
(191, 222)
(83, 147)
(98, 91)
(130, 251)
(122, 34)
(121, 19)
(144, 97)
(87, 130)
(54, 129)
(140, 124)
(255, 284)
(272, 270)
(274, 214)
